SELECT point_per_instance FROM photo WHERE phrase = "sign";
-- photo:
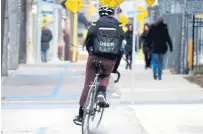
(143, 14)
(123, 18)
(111, 3)
(74, 5)
(45, 19)
(150, 2)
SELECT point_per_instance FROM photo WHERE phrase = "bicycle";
(91, 108)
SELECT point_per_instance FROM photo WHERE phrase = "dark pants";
(107, 69)
(129, 59)
(147, 57)
(157, 64)
(44, 55)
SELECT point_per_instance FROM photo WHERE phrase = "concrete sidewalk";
(146, 90)
(170, 106)
(47, 82)
(43, 99)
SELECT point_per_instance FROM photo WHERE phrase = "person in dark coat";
(46, 37)
(160, 40)
(128, 47)
(146, 46)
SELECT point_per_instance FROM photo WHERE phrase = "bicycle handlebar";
(118, 77)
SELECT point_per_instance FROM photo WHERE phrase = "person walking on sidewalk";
(46, 37)
(103, 43)
(146, 46)
(128, 47)
(159, 38)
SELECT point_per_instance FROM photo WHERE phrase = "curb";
(140, 126)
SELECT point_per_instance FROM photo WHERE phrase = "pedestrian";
(146, 46)
(46, 37)
(160, 40)
(128, 47)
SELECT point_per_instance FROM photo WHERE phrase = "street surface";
(43, 99)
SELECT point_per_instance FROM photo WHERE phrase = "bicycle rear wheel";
(88, 108)
(96, 119)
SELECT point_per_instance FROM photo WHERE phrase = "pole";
(193, 38)
(4, 38)
(182, 66)
(97, 9)
(67, 36)
(75, 39)
(29, 48)
(133, 54)
(3, 5)
(55, 36)
(38, 33)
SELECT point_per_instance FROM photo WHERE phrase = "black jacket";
(92, 31)
(158, 37)
(129, 40)
(46, 37)
(143, 39)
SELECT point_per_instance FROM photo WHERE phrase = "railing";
(197, 53)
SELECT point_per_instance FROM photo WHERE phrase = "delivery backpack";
(107, 41)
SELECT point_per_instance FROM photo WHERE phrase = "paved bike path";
(117, 119)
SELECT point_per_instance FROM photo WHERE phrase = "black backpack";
(107, 41)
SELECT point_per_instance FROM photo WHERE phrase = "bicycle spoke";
(96, 118)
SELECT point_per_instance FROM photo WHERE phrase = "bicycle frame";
(93, 89)
(89, 110)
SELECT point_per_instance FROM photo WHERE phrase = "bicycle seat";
(97, 63)
(98, 66)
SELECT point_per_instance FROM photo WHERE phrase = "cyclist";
(103, 43)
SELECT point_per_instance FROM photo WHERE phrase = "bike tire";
(96, 120)
(100, 110)
(86, 114)
(85, 121)
(100, 119)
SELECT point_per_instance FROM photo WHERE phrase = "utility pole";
(4, 38)
(183, 41)
(55, 37)
(3, 4)
(38, 33)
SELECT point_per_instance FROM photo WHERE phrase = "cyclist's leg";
(108, 66)
(90, 72)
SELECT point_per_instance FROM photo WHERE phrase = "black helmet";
(106, 11)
